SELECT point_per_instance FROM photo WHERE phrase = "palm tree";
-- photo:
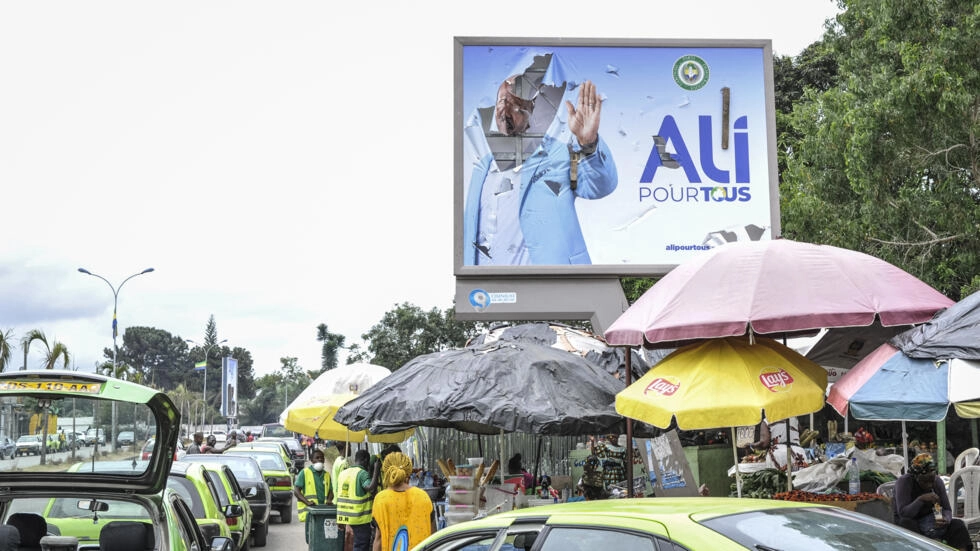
(30, 337)
(57, 352)
(331, 343)
(5, 349)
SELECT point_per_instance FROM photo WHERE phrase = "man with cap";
(922, 505)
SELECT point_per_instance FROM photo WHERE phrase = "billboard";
(229, 387)
(609, 157)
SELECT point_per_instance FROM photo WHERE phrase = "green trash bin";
(322, 532)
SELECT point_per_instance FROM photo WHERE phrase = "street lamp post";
(115, 331)
(207, 350)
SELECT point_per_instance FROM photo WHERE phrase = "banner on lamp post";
(229, 387)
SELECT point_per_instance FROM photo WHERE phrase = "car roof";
(240, 463)
(49, 387)
(257, 452)
(661, 509)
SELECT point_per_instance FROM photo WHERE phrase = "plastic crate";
(462, 482)
(468, 497)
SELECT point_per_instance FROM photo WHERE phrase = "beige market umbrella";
(315, 417)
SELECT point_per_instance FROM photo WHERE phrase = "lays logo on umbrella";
(664, 386)
(776, 379)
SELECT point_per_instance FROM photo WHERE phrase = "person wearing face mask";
(312, 486)
(534, 153)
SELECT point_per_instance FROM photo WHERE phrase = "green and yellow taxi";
(277, 473)
(203, 493)
(279, 446)
(112, 501)
(234, 501)
(677, 524)
(249, 477)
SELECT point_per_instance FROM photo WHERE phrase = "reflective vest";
(309, 490)
(351, 508)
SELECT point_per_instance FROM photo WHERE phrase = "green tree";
(58, 351)
(886, 162)
(160, 357)
(5, 349)
(29, 338)
(273, 392)
(407, 331)
(332, 342)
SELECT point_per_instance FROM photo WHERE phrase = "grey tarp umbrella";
(611, 359)
(951, 333)
(488, 388)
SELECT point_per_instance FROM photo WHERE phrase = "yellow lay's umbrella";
(726, 382)
(315, 418)
(723, 383)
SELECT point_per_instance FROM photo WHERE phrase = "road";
(286, 537)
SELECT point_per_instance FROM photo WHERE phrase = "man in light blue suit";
(520, 200)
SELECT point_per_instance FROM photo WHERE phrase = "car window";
(188, 492)
(268, 461)
(814, 529)
(480, 541)
(588, 539)
(187, 526)
(236, 489)
(275, 430)
(246, 470)
(215, 478)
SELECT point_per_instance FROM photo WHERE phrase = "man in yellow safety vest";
(354, 499)
(312, 486)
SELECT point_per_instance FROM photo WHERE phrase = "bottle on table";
(854, 480)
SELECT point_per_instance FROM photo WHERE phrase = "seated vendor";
(919, 494)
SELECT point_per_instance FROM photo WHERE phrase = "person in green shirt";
(354, 499)
(313, 486)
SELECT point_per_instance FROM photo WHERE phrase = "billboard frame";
(463, 271)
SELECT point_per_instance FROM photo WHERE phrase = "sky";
(279, 164)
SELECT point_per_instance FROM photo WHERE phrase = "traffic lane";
(285, 537)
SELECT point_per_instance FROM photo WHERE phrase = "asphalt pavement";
(285, 537)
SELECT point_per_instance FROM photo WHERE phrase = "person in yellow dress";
(403, 514)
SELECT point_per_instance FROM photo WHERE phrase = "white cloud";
(280, 165)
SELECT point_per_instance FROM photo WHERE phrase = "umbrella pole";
(789, 458)
(537, 461)
(738, 474)
(629, 427)
(503, 455)
(905, 447)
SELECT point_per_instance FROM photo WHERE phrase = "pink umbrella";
(773, 288)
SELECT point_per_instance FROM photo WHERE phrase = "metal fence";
(540, 454)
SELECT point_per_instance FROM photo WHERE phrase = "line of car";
(148, 496)
(255, 481)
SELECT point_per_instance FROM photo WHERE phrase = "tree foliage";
(332, 342)
(407, 331)
(886, 161)
(5, 349)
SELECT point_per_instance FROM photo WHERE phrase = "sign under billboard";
(610, 157)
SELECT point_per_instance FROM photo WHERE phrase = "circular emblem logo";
(691, 72)
(479, 299)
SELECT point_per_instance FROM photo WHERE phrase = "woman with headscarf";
(922, 505)
(403, 514)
